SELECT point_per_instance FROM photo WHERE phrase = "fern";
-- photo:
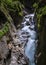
(4, 30)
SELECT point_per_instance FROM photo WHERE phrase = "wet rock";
(17, 53)
(4, 51)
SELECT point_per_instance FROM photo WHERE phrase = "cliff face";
(42, 43)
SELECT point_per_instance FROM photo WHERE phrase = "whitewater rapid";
(28, 36)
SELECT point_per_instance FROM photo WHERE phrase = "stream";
(28, 36)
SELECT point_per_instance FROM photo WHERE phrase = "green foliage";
(9, 6)
(35, 5)
(4, 30)
(40, 11)
(13, 5)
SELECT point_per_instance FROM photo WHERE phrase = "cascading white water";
(28, 36)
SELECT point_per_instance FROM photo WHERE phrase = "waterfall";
(28, 36)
